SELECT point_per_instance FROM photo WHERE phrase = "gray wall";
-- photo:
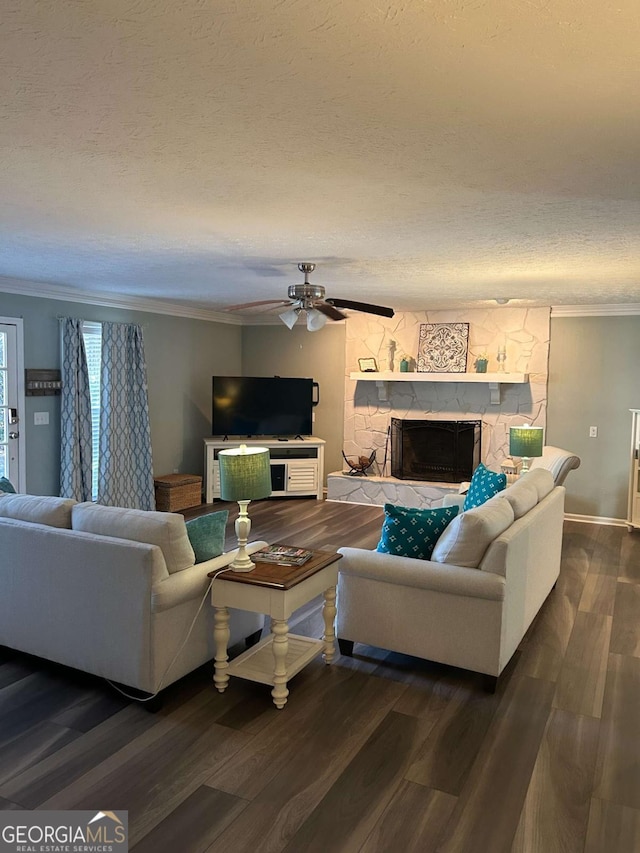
(182, 356)
(278, 351)
(594, 381)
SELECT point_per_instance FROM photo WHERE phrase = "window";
(92, 334)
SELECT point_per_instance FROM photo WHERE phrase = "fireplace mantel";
(493, 380)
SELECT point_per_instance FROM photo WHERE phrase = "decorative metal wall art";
(442, 347)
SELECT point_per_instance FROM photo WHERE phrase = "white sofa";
(471, 604)
(560, 462)
(109, 591)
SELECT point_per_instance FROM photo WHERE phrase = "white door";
(10, 406)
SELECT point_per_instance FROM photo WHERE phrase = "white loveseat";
(498, 564)
(113, 592)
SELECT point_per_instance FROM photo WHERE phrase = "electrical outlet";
(593, 432)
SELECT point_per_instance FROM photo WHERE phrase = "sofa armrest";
(192, 582)
(421, 574)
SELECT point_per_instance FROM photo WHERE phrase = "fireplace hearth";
(436, 451)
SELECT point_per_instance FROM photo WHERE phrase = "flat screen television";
(258, 405)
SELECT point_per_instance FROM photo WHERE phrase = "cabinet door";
(302, 476)
(214, 480)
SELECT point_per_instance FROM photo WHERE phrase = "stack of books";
(282, 555)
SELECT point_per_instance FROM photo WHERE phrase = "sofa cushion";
(207, 533)
(411, 532)
(466, 539)
(540, 479)
(6, 486)
(41, 509)
(484, 485)
(522, 496)
(167, 530)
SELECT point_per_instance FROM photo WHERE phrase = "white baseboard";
(595, 519)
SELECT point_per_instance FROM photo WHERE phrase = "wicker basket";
(178, 491)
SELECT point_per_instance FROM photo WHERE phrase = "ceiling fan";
(311, 299)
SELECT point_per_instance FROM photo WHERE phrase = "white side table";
(276, 591)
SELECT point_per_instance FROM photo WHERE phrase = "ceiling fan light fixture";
(315, 319)
(502, 300)
(311, 299)
(290, 317)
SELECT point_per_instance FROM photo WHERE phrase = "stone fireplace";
(523, 333)
(433, 450)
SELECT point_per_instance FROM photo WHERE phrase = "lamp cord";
(177, 654)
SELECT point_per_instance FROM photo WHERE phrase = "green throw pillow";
(5, 486)
(408, 532)
(484, 485)
(206, 534)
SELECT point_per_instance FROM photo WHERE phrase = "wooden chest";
(178, 491)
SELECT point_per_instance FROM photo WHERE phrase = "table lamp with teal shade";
(526, 442)
(245, 476)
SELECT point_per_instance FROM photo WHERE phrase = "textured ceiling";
(424, 154)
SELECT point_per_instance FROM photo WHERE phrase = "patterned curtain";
(75, 416)
(125, 469)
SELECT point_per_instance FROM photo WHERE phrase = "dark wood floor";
(381, 752)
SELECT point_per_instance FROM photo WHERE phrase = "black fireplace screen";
(440, 451)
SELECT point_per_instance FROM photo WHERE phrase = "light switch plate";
(40, 418)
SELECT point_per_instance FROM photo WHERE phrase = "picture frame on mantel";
(443, 347)
(367, 365)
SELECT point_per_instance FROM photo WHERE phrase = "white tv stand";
(297, 464)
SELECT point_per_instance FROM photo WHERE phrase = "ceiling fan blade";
(362, 306)
(255, 304)
(329, 311)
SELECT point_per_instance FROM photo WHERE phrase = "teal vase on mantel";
(481, 365)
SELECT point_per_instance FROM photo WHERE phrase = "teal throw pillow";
(408, 532)
(206, 534)
(484, 485)
(5, 486)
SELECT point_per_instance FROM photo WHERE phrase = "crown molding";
(174, 309)
(131, 303)
(628, 310)
(134, 303)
